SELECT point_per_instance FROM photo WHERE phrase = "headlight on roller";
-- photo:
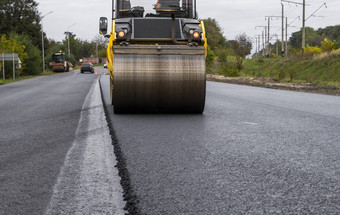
(196, 35)
(121, 34)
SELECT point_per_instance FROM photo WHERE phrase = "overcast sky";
(235, 17)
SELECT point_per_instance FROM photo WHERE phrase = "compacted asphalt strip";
(253, 151)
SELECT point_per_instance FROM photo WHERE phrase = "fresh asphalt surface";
(253, 151)
(39, 118)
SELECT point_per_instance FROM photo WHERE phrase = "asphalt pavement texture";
(253, 151)
(49, 157)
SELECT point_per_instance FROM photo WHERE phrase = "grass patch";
(319, 70)
(7, 81)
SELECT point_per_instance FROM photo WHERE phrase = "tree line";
(317, 40)
(225, 57)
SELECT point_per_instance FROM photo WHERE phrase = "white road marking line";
(250, 123)
(89, 182)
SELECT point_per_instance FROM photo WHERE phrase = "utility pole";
(42, 40)
(276, 43)
(268, 40)
(287, 26)
(256, 47)
(97, 51)
(259, 44)
(265, 36)
(263, 39)
(68, 37)
(268, 35)
(304, 25)
(282, 41)
(303, 19)
(286, 53)
(263, 43)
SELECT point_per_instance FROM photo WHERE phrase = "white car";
(105, 65)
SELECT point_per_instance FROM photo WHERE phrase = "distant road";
(254, 151)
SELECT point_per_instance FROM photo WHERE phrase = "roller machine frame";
(156, 60)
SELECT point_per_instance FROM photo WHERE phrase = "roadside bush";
(33, 62)
(310, 50)
(222, 56)
(229, 71)
(260, 60)
(294, 51)
(328, 46)
(282, 75)
(239, 63)
(71, 59)
(274, 55)
(11, 46)
(210, 59)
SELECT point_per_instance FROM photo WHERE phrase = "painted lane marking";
(89, 182)
(250, 123)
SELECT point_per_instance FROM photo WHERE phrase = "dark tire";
(111, 91)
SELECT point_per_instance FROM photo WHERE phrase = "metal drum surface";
(170, 80)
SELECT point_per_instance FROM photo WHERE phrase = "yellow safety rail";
(110, 49)
(205, 38)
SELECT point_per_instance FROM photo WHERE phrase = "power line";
(324, 4)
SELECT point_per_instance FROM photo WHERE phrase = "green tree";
(242, 45)
(21, 17)
(330, 32)
(328, 45)
(215, 37)
(11, 46)
(33, 62)
(312, 38)
(210, 58)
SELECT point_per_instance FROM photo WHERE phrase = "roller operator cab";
(156, 57)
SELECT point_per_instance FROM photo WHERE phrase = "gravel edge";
(129, 196)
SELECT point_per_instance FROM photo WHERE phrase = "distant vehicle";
(87, 67)
(59, 63)
(105, 66)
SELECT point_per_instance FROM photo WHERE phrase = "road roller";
(156, 56)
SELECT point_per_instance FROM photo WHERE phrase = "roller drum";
(147, 80)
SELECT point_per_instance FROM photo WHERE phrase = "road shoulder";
(89, 182)
(272, 84)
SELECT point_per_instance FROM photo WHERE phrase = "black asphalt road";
(254, 151)
(38, 123)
